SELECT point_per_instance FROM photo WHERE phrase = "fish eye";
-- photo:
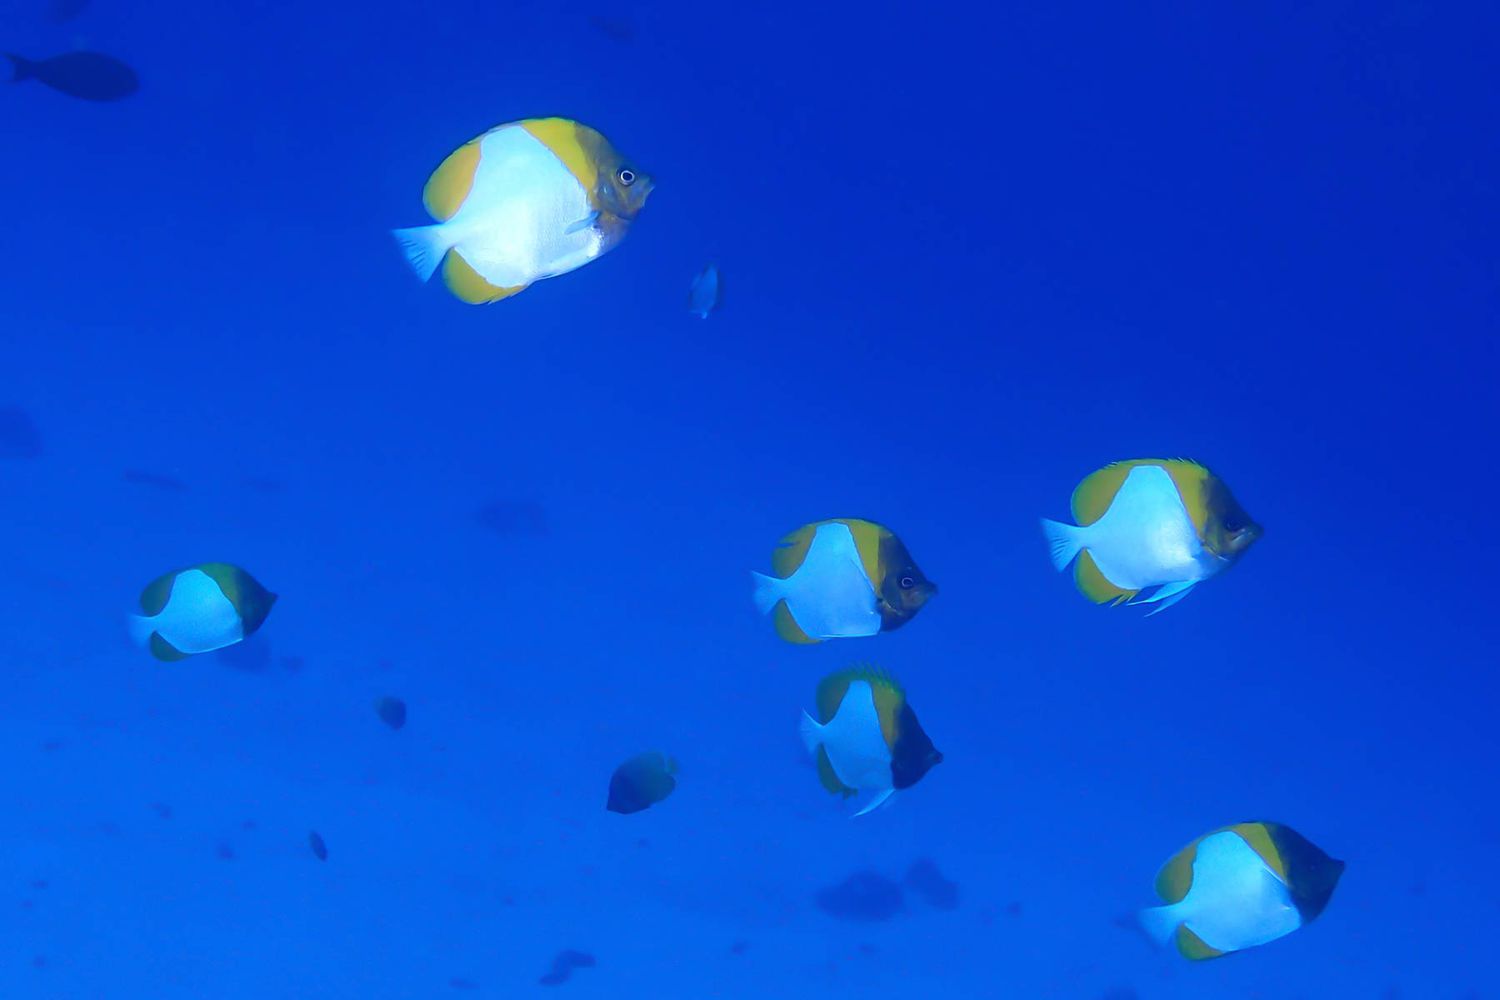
(625, 176)
(1232, 524)
(907, 583)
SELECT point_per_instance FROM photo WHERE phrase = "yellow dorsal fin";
(466, 283)
(1094, 585)
(1259, 839)
(450, 183)
(792, 549)
(867, 536)
(1097, 491)
(566, 138)
(156, 593)
(889, 696)
(829, 777)
(1192, 946)
(787, 627)
(1176, 876)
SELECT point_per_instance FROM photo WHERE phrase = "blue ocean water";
(970, 253)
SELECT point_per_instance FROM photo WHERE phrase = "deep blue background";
(970, 255)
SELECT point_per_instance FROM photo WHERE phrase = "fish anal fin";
(1094, 585)
(787, 627)
(468, 285)
(164, 650)
(1192, 946)
(829, 777)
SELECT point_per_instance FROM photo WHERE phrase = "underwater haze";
(970, 254)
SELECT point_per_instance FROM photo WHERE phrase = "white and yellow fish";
(524, 201)
(866, 738)
(1238, 887)
(841, 578)
(199, 609)
(1149, 530)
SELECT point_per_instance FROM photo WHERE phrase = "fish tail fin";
(20, 68)
(1160, 923)
(425, 247)
(768, 590)
(141, 629)
(812, 733)
(1065, 540)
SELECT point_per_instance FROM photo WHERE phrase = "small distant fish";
(616, 29)
(841, 578)
(564, 964)
(513, 517)
(866, 737)
(65, 10)
(864, 897)
(89, 76)
(641, 782)
(392, 711)
(167, 483)
(319, 849)
(199, 609)
(19, 437)
(524, 201)
(925, 880)
(703, 297)
(1238, 887)
(1149, 531)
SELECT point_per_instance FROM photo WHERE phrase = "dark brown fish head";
(904, 588)
(1229, 531)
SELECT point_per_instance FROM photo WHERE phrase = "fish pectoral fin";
(1163, 602)
(1160, 593)
(582, 224)
(879, 800)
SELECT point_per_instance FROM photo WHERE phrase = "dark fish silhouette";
(88, 76)
(924, 879)
(616, 29)
(319, 849)
(564, 964)
(392, 711)
(864, 897)
(65, 10)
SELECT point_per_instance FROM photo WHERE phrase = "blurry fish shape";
(167, 484)
(1149, 531)
(866, 738)
(563, 965)
(89, 76)
(19, 437)
(924, 878)
(524, 201)
(319, 849)
(1239, 887)
(641, 782)
(392, 711)
(864, 897)
(199, 609)
(703, 297)
(65, 10)
(841, 579)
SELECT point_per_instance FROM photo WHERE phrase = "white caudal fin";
(1160, 923)
(424, 247)
(1065, 541)
(812, 733)
(141, 629)
(768, 590)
